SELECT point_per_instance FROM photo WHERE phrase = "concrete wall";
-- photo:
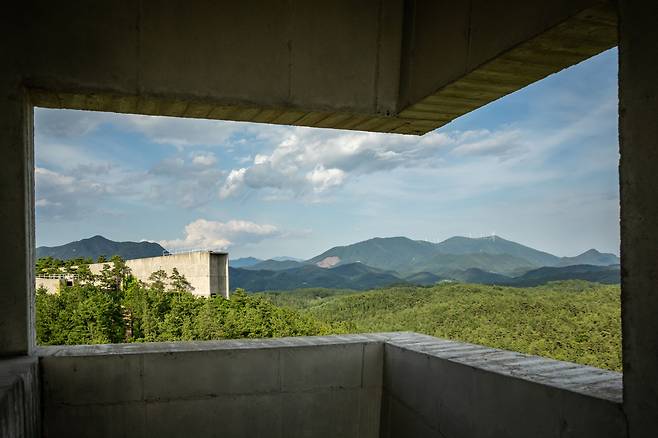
(20, 414)
(638, 139)
(206, 271)
(391, 385)
(16, 217)
(446, 389)
(296, 387)
(52, 285)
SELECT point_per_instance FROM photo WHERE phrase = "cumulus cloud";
(321, 179)
(308, 162)
(233, 183)
(216, 235)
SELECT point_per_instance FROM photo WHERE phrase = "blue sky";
(538, 167)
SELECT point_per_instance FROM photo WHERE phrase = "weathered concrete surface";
(20, 414)
(374, 65)
(207, 271)
(638, 138)
(440, 388)
(16, 220)
(295, 387)
(494, 50)
(324, 386)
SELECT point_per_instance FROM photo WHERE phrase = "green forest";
(113, 307)
(574, 321)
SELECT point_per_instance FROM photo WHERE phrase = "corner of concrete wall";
(20, 413)
(442, 388)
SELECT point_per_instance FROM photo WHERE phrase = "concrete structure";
(207, 271)
(50, 282)
(366, 386)
(404, 66)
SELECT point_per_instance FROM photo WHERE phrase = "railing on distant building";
(58, 276)
(189, 251)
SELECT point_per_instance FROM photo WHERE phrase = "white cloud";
(207, 234)
(204, 159)
(321, 179)
(309, 162)
(233, 183)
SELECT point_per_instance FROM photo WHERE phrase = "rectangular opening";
(499, 229)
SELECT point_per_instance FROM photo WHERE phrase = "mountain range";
(96, 246)
(383, 261)
(379, 262)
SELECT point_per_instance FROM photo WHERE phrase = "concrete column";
(16, 221)
(638, 129)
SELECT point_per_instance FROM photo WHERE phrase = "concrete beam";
(638, 139)
(495, 49)
(286, 62)
(402, 66)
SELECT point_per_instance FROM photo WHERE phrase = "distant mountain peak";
(95, 246)
(590, 257)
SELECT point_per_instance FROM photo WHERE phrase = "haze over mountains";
(380, 262)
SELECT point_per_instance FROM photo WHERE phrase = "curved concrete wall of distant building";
(207, 271)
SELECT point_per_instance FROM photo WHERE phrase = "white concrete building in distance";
(206, 271)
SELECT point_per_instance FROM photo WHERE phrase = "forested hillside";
(113, 307)
(574, 321)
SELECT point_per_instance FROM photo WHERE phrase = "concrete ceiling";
(397, 66)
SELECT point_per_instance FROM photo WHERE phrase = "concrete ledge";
(585, 380)
(189, 346)
(436, 387)
(367, 385)
(319, 386)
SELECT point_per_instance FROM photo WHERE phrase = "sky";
(538, 167)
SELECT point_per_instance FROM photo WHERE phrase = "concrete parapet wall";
(386, 385)
(19, 398)
(296, 387)
(441, 388)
